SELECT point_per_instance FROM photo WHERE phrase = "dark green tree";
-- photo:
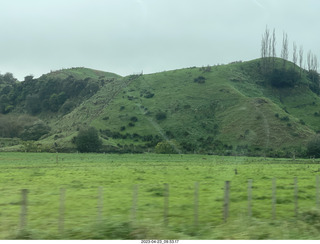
(33, 104)
(28, 78)
(35, 131)
(4, 102)
(313, 147)
(8, 78)
(67, 107)
(88, 140)
(56, 100)
(161, 115)
(283, 78)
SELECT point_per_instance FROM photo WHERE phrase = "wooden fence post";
(296, 197)
(100, 203)
(249, 197)
(62, 210)
(317, 191)
(24, 209)
(226, 201)
(274, 198)
(134, 203)
(196, 203)
(166, 204)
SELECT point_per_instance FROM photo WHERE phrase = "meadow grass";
(44, 174)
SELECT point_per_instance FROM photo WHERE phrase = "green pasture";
(101, 203)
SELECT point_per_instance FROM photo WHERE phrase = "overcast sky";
(130, 36)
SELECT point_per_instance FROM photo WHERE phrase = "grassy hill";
(231, 110)
(80, 73)
(225, 109)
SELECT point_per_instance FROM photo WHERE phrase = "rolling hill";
(222, 109)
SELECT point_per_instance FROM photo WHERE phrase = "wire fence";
(168, 207)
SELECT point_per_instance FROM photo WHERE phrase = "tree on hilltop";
(284, 50)
(294, 55)
(300, 58)
(268, 50)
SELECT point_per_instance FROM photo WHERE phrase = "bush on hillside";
(200, 80)
(29, 146)
(68, 106)
(56, 101)
(134, 119)
(167, 147)
(161, 116)
(35, 132)
(314, 78)
(283, 78)
(18, 125)
(313, 147)
(88, 141)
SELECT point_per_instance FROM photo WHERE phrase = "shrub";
(301, 121)
(313, 147)
(148, 94)
(67, 107)
(169, 134)
(200, 80)
(313, 76)
(134, 119)
(285, 118)
(167, 147)
(161, 116)
(29, 146)
(14, 125)
(188, 147)
(35, 132)
(88, 140)
(56, 100)
(283, 78)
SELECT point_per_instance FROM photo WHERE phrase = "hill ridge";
(221, 109)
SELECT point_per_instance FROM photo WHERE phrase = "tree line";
(7, 78)
(284, 77)
(268, 52)
(45, 94)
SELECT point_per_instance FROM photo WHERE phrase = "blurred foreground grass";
(109, 212)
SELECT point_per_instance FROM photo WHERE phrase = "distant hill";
(81, 73)
(223, 109)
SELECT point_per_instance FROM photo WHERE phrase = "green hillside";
(80, 73)
(223, 109)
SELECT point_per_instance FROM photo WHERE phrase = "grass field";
(117, 211)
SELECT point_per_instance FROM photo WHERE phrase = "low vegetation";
(313, 149)
(25, 127)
